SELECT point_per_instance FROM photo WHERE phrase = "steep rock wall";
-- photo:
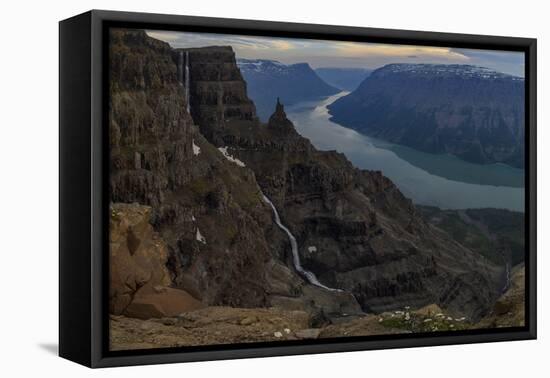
(355, 229)
(207, 209)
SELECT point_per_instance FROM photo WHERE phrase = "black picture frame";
(83, 167)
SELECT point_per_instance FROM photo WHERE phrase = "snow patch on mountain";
(199, 237)
(445, 70)
(232, 159)
(196, 149)
(267, 67)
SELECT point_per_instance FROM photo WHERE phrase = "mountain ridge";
(268, 80)
(471, 112)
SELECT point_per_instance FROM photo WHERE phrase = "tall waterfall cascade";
(184, 76)
(187, 80)
(181, 63)
(310, 277)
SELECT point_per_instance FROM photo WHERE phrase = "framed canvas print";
(234, 188)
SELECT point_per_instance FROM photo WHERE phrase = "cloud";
(165, 36)
(325, 53)
(181, 39)
(511, 62)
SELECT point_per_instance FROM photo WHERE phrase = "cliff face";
(471, 112)
(150, 132)
(223, 246)
(355, 230)
(207, 209)
(218, 91)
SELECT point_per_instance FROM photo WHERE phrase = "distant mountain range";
(346, 79)
(471, 112)
(268, 79)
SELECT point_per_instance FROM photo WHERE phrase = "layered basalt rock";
(218, 89)
(207, 209)
(355, 229)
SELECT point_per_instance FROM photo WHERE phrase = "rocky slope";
(498, 234)
(139, 284)
(205, 207)
(509, 309)
(355, 230)
(223, 247)
(226, 325)
(471, 112)
(148, 314)
(268, 80)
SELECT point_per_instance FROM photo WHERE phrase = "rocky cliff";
(223, 247)
(472, 112)
(207, 209)
(355, 230)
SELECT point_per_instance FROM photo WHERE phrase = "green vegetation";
(414, 322)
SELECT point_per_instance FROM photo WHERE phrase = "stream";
(310, 277)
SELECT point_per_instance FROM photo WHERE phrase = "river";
(428, 179)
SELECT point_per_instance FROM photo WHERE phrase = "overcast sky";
(321, 53)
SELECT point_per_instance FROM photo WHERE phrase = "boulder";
(169, 302)
(137, 256)
(429, 310)
(310, 333)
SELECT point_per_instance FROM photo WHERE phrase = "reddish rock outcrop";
(139, 280)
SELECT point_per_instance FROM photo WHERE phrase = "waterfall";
(187, 79)
(507, 278)
(180, 67)
(294, 246)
